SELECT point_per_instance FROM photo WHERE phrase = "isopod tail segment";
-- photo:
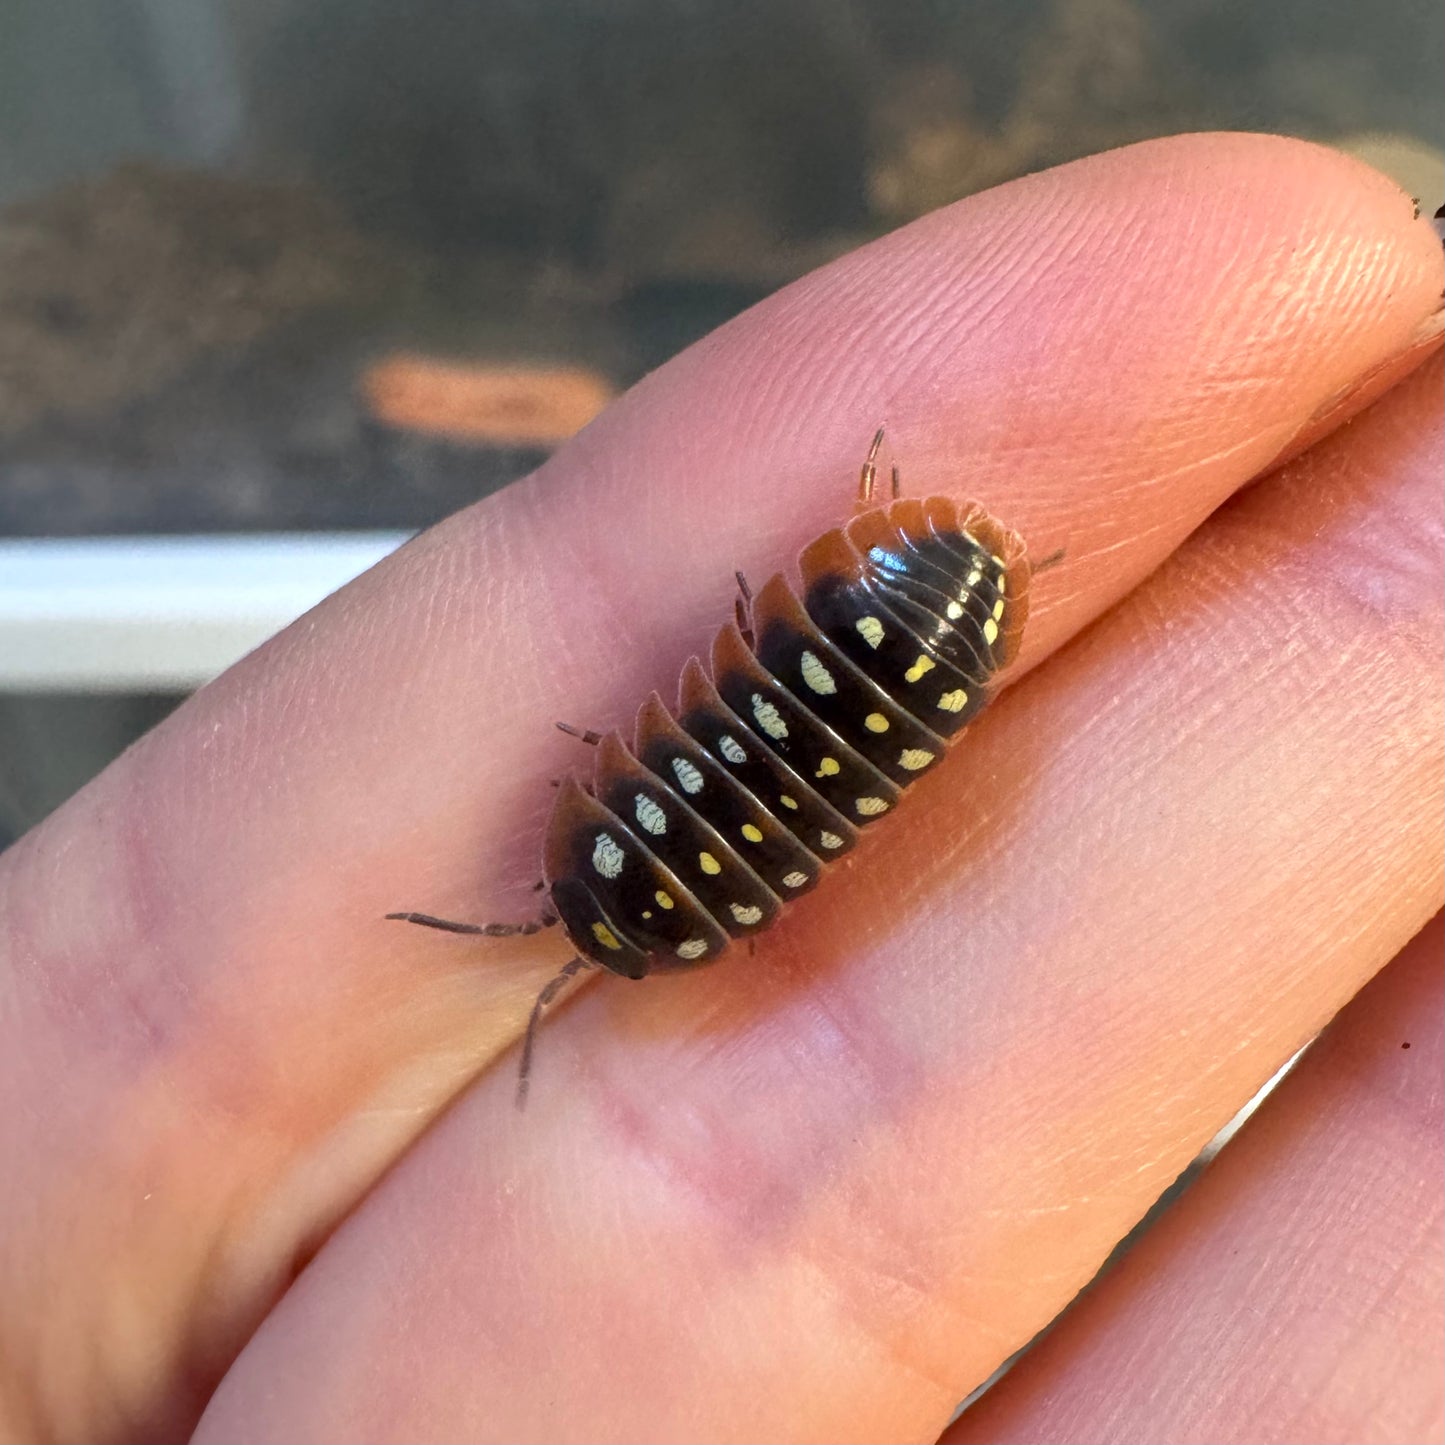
(818, 708)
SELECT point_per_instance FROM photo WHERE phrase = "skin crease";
(1295, 1293)
(871, 1186)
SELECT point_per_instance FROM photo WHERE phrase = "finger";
(824, 1196)
(226, 1044)
(1295, 1293)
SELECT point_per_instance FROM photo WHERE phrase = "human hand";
(820, 1193)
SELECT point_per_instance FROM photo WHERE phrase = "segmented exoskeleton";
(816, 714)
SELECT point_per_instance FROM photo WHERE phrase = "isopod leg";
(743, 608)
(524, 1069)
(486, 930)
(586, 735)
(869, 474)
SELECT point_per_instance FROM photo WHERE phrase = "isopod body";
(819, 709)
(816, 712)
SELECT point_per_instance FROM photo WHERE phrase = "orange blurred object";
(505, 405)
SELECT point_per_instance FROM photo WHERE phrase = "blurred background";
(283, 281)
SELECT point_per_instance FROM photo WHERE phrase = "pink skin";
(1295, 1293)
(819, 1193)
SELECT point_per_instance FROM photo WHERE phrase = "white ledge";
(138, 614)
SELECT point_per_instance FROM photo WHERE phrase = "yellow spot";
(875, 722)
(794, 880)
(870, 807)
(1002, 586)
(663, 901)
(953, 701)
(872, 630)
(647, 913)
(708, 863)
(828, 768)
(998, 609)
(998, 561)
(788, 802)
(830, 840)
(914, 758)
(924, 664)
(752, 834)
(954, 611)
(605, 936)
(990, 631)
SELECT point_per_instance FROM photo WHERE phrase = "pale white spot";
(870, 807)
(687, 776)
(990, 631)
(745, 915)
(607, 857)
(693, 948)
(914, 758)
(973, 578)
(998, 609)
(1002, 586)
(830, 840)
(817, 676)
(769, 718)
(998, 562)
(954, 611)
(872, 630)
(787, 802)
(953, 701)
(794, 880)
(875, 722)
(650, 815)
(731, 749)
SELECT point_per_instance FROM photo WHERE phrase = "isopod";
(816, 714)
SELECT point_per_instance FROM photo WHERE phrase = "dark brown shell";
(809, 729)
